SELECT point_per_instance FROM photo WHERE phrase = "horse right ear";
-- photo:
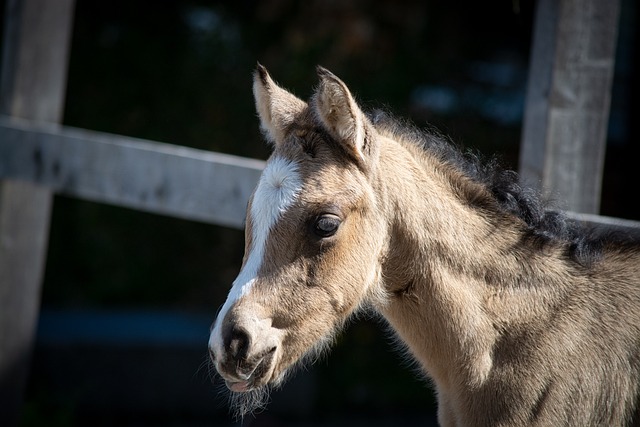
(277, 108)
(342, 118)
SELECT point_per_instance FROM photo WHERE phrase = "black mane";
(546, 225)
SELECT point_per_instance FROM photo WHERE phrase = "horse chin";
(259, 376)
(247, 397)
(271, 372)
(249, 401)
(251, 394)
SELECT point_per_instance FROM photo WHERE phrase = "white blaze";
(279, 185)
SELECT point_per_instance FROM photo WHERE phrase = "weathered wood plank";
(566, 121)
(605, 222)
(32, 86)
(24, 229)
(580, 100)
(149, 176)
(34, 58)
(536, 113)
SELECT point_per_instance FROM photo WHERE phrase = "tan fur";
(510, 335)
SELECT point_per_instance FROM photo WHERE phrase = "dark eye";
(326, 225)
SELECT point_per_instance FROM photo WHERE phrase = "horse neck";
(433, 228)
(440, 252)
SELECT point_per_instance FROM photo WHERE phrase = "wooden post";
(32, 86)
(568, 98)
(536, 112)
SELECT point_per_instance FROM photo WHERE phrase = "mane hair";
(546, 225)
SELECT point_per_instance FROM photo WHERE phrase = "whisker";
(205, 364)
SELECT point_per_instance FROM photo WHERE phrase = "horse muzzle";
(244, 351)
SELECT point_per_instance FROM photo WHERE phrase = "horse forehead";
(278, 188)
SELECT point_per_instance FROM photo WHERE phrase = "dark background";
(128, 297)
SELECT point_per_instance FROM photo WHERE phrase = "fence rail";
(146, 175)
(149, 176)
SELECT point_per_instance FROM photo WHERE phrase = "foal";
(518, 317)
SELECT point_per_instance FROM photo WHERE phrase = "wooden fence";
(563, 148)
(145, 175)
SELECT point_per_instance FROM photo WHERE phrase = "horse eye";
(326, 225)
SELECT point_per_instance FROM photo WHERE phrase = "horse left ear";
(276, 107)
(337, 110)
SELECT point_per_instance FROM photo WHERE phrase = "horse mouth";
(238, 386)
(254, 378)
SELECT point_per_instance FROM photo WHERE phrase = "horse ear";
(277, 108)
(341, 116)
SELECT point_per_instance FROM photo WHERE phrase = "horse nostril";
(236, 342)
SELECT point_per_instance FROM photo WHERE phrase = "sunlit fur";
(516, 315)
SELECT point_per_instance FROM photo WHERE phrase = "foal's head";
(314, 236)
